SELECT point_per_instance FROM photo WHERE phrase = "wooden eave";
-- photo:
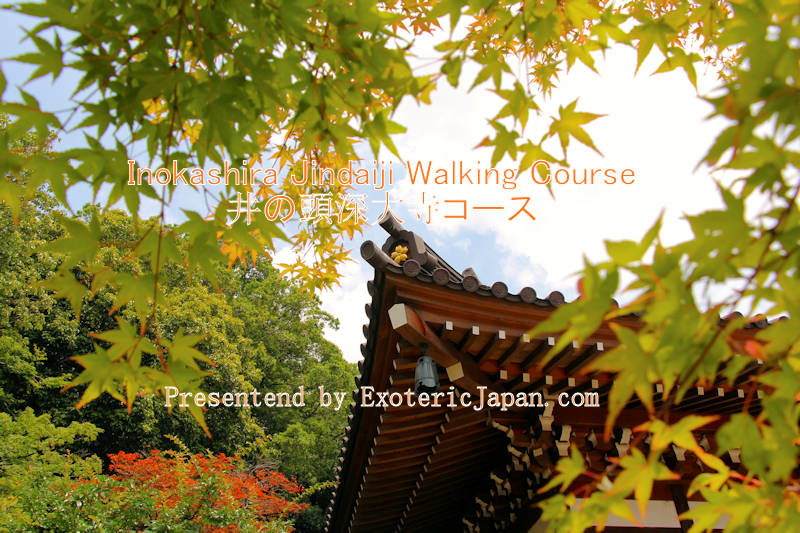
(417, 468)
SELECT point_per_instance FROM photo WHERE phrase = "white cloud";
(653, 125)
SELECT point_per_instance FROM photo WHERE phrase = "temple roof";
(452, 468)
(425, 265)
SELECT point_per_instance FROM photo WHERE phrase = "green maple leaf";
(639, 474)
(182, 349)
(80, 243)
(569, 124)
(101, 374)
(65, 286)
(569, 468)
(126, 341)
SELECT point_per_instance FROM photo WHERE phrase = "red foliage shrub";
(174, 477)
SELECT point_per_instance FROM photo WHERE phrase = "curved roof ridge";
(425, 264)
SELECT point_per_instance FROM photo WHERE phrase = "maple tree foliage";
(198, 81)
(268, 494)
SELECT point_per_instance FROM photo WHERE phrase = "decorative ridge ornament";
(400, 254)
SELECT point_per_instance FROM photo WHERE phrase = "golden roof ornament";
(400, 254)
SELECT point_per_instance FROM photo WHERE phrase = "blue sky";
(653, 124)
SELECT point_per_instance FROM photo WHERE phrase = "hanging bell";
(426, 375)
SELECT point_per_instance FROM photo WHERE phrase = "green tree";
(259, 332)
(35, 455)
